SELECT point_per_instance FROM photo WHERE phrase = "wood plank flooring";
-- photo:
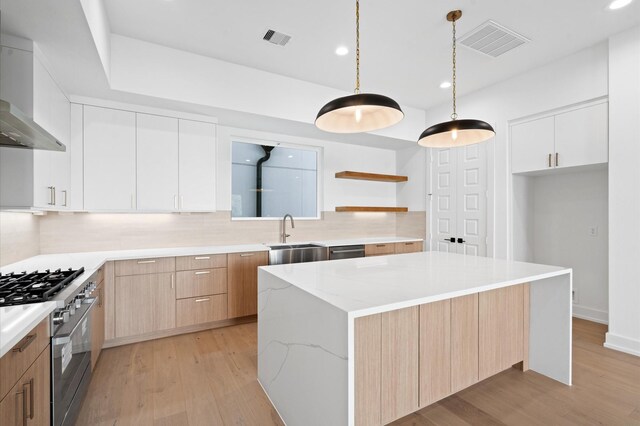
(209, 378)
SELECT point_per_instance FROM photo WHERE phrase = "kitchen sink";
(297, 253)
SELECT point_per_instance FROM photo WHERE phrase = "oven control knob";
(71, 308)
(61, 317)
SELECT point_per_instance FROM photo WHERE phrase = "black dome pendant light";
(361, 112)
(455, 132)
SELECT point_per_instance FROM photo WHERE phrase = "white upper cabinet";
(109, 159)
(581, 136)
(157, 163)
(197, 165)
(532, 145)
(578, 137)
(75, 197)
(37, 178)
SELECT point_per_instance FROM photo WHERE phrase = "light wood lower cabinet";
(501, 329)
(464, 342)
(28, 401)
(202, 282)
(379, 249)
(200, 310)
(409, 247)
(410, 358)
(144, 304)
(97, 324)
(242, 287)
(435, 351)
(400, 331)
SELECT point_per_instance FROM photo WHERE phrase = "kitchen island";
(366, 341)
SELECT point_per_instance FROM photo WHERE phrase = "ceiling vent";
(492, 39)
(275, 37)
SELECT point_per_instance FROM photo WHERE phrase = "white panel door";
(532, 145)
(459, 200)
(582, 136)
(109, 159)
(443, 201)
(157, 163)
(471, 193)
(197, 169)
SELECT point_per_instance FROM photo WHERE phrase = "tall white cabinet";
(146, 162)
(197, 159)
(109, 159)
(157, 162)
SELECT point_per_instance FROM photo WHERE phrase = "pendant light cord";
(357, 89)
(454, 115)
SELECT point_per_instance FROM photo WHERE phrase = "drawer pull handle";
(25, 343)
(381, 245)
(203, 300)
(247, 254)
(31, 399)
(140, 262)
(409, 244)
(202, 257)
(203, 272)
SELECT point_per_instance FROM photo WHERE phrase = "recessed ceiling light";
(619, 4)
(247, 160)
(445, 85)
(342, 50)
(290, 156)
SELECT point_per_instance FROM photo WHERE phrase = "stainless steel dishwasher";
(346, 252)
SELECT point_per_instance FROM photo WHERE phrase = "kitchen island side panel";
(299, 333)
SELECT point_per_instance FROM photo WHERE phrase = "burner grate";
(22, 288)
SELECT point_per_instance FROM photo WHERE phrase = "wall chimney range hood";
(19, 131)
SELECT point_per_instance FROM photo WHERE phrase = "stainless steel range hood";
(19, 131)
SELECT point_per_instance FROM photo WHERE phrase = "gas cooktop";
(34, 287)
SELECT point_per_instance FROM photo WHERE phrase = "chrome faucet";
(284, 227)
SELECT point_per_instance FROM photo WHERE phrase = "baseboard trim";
(622, 344)
(590, 314)
(176, 331)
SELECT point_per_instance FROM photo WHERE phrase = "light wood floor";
(209, 378)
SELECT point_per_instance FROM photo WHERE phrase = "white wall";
(565, 207)
(624, 192)
(412, 162)
(335, 157)
(154, 70)
(573, 79)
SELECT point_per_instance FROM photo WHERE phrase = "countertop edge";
(45, 308)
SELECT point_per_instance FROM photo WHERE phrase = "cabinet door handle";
(31, 399)
(175, 202)
(549, 160)
(203, 300)
(172, 284)
(557, 159)
(25, 343)
(65, 198)
(50, 188)
(202, 257)
(203, 272)
(54, 195)
(101, 295)
(140, 262)
(247, 254)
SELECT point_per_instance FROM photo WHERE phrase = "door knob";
(451, 240)
(460, 241)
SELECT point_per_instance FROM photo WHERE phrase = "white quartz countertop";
(365, 286)
(17, 321)
(370, 240)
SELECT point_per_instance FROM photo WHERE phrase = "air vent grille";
(493, 39)
(275, 37)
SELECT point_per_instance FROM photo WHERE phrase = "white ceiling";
(405, 45)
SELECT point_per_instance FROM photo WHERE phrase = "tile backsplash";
(19, 236)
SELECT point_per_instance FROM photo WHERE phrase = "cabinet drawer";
(200, 310)
(379, 249)
(15, 362)
(408, 247)
(201, 282)
(145, 266)
(205, 261)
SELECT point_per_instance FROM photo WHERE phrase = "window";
(270, 181)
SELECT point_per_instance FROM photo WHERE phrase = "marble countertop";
(17, 321)
(365, 286)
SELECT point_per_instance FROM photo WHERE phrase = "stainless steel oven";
(70, 358)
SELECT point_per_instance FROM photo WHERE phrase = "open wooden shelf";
(371, 209)
(370, 176)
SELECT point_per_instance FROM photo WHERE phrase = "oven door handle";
(62, 339)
